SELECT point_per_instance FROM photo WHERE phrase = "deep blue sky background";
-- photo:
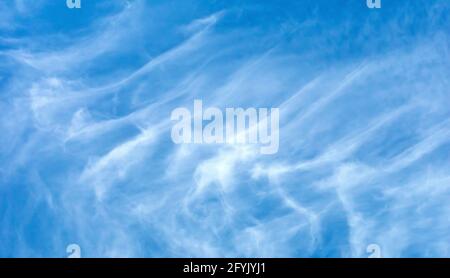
(86, 155)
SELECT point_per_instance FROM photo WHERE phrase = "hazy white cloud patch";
(86, 149)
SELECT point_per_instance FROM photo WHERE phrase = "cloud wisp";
(86, 154)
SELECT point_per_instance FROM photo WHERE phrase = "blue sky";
(86, 155)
